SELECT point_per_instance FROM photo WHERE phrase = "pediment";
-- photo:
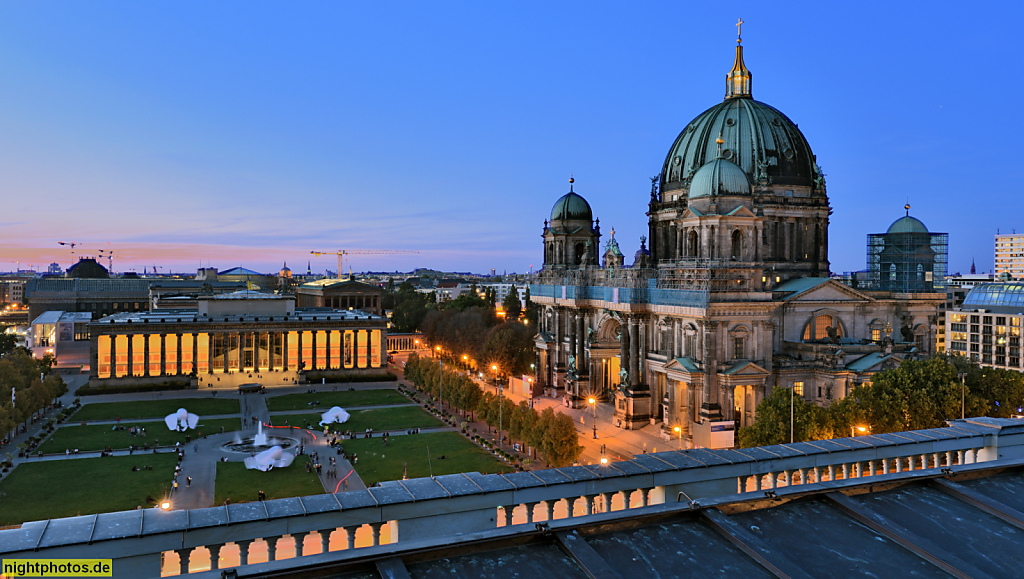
(829, 291)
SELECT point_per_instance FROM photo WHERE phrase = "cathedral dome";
(758, 138)
(907, 224)
(719, 177)
(571, 207)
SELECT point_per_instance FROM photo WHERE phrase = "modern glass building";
(987, 326)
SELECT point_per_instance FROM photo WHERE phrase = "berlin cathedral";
(731, 297)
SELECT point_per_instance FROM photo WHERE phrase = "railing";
(461, 504)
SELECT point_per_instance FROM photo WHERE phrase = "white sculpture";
(273, 457)
(181, 420)
(335, 414)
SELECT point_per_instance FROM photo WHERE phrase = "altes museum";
(733, 296)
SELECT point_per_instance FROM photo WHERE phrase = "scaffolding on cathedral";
(687, 283)
(913, 262)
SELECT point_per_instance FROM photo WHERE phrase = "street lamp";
(593, 404)
(963, 394)
(678, 430)
(438, 348)
(859, 428)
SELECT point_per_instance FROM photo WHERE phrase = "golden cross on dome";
(613, 233)
(739, 31)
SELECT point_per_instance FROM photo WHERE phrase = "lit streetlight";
(860, 428)
(593, 404)
(679, 430)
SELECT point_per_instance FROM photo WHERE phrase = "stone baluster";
(949, 458)
(549, 510)
(214, 556)
(507, 511)
(325, 540)
(590, 503)
(184, 555)
(831, 473)
(758, 481)
(350, 537)
(299, 539)
(375, 528)
(924, 461)
(859, 468)
(606, 502)
(243, 551)
(626, 496)
(529, 512)
(271, 547)
(816, 474)
(961, 456)
(803, 475)
(885, 466)
(644, 497)
(936, 460)
(846, 470)
(773, 480)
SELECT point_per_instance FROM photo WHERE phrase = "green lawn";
(155, 408)
(65, 488)
(100, 436)
(379, 419)
(240, 484)
(380, 463)
(342, 398)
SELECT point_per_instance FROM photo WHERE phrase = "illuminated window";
(817, 329)
(876, 335)
(798, 388)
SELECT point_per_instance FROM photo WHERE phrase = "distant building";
(1010, 255)
(340, 295)
(101, 297)
(87, 268)
(957, 287)
(54, 269)
(907, 258)
(63, 334)
(235, 338)
(986, 327)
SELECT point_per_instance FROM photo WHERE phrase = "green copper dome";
(907, 224)
(571, 207)
(762, 141)
(719, 177)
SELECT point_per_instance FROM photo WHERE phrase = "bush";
(89, 389)
(335, 378)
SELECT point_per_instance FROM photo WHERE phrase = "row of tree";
(915, 395)
(551, 433)
(32, 389)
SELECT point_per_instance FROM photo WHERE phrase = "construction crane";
(109, 255)
(341, 253)
(72, 245)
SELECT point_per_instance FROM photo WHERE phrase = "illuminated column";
(177, 355)
(271, 337)
(131, 355)
(163, 354)
(316, 349)
(113, 354)
(298, 363)
(209, 352)
(145, 355)
(195, 353)
(284, 350)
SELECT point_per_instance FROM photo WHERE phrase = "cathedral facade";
(732, 298)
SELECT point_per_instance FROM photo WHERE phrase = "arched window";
(692, 243)
(817, 328)
(737, 244)
(579, 253)
(892, 272)
(920, 272)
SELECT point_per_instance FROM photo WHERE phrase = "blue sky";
(249, 133)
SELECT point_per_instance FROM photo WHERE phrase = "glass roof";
(1008, 295)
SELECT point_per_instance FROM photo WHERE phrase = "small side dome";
(907, 224)
(719, 177)
(571, 207)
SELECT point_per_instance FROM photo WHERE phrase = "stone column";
(623, 346)
(271, 337)
(626, 496)
(195, 353)
(284, 350)
(298, 363)
(163, 354)
(113, 356)
(131, 355)
(177, 355)
(606, 502)
(529, 512)
(325, 540)
(711, 408)
(271, 547)
(590, 503)
(299, 537)
(581, 344)
(209, 352)
(94, 358)
(145, 355)
(214, 556)
(507, 510)
(634, 352)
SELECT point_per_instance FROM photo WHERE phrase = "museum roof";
(240, 271)
(54, 316)
(866, 362)
(194, 317)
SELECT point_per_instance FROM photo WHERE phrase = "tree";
(7, 342)
(561, 445)
(511, 304)
(810, 421)
(510, 346)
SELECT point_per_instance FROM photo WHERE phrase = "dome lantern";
(738, 81)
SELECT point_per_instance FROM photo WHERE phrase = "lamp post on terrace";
(678, 430)
(963, 394)
(494, 368)
(593, 404)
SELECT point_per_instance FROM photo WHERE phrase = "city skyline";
(245, 135)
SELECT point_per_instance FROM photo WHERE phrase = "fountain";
(260, 439)
(259, 443)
